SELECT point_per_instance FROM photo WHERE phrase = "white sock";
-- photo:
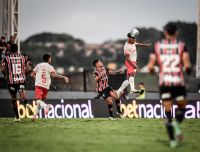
(37, 111)
(132, 83)
(43, 105)
(176, 128)
(37, 108)
(123, 86)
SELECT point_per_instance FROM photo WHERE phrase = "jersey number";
(170, 63)
(16, 68)
(44, 78)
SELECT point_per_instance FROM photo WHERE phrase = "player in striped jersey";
(15, 67)
(104, 90)
(171, 55)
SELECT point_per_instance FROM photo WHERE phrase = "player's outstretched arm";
(113, 72)
(143, 44)
(152, 62)
(186, 62)
(28, 68)
(55, 75)
(33, 74)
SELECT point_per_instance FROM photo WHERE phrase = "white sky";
(95, 21)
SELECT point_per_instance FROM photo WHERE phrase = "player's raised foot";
(121, 115)
(135, 91)
(173, 143)
(47, 109)
(17, 120)
(112, 118)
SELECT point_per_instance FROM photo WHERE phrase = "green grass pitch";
(94, 135)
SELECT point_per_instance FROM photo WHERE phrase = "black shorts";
(173, 93)
(106, 92)
(14, 88)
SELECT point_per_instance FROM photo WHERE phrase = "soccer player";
(171, 55)
(130, 53)
(42, 74)
(15, 66)
(103, 89)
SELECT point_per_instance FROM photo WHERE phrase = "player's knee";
(14, 103)
(167, 105)
(109, 100)
(181, 102)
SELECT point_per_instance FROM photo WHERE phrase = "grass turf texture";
(94, 135)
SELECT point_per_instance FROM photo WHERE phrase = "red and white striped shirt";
(102, 83)
(15, 65)
(169, 57)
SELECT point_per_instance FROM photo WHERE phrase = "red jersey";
(169, 57)
(102, 83)
(15, 68)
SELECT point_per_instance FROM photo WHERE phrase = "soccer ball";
(134, 32)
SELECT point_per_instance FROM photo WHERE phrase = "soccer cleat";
(112, 118)
(47, 110)
(173, 144)
(17, 120)
(135, 91)
(121, 115)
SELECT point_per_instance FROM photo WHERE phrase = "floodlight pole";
(9, 19)
(198, 44)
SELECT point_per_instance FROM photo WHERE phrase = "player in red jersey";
(171, 55)
(42, 74)
(15, 67)
(104, 90)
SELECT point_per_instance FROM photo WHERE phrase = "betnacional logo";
(61, 110)
(139, 110)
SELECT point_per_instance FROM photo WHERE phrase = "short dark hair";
(170, 28)
(13, 48)
(46, 57)
(129, 36)
(94, 62)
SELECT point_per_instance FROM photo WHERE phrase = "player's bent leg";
(181, 110)
(132, 83)
(117, 101)
(122, 88)
(109, 101)
(179, 118)
(24, 100)
(37, 110)
(15, 106)
(168, 124)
